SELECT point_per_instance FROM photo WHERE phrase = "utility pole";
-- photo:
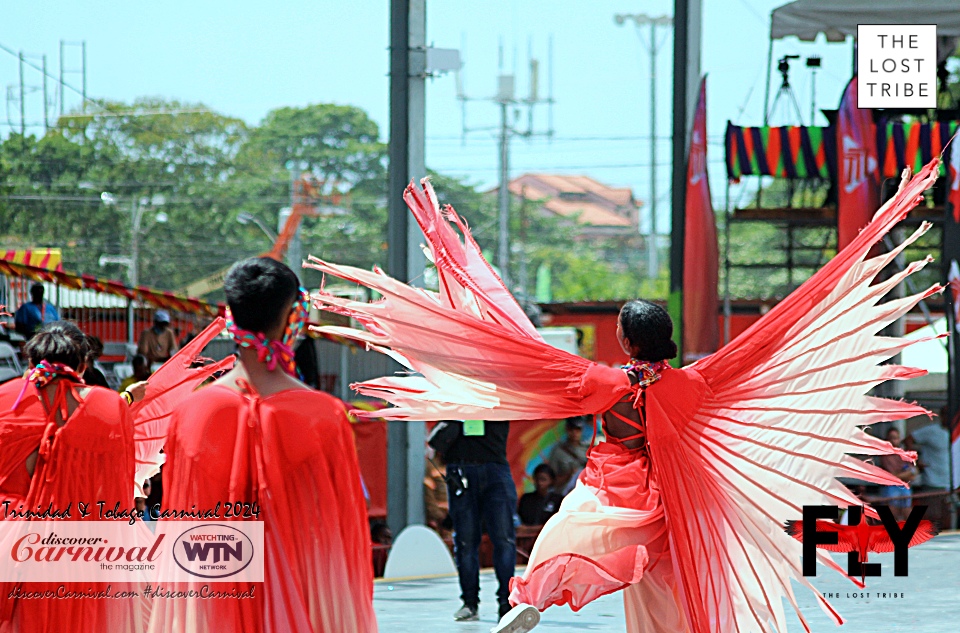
(294, 251)
(640, 20)
(64, 70)
(46, 120)
(405, 440)
(61, 78)
(23, 114)
(687, 16)
(505, 99)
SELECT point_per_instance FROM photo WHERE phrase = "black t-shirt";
(489, 448)
(94, 377)
(535, 510)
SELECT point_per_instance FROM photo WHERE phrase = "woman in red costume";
(64, 443)
(258, 435)
(684, 506)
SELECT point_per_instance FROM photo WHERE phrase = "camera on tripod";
(783, 65)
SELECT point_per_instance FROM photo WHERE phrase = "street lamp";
(247, 218)
(640, 20)
(132, 262)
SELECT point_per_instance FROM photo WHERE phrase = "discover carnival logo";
(213, 551)
(115, 551)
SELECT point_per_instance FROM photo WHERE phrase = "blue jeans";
(490, 495)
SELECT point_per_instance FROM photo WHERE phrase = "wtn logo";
(221, 551)
(213, 551)
(859, 538)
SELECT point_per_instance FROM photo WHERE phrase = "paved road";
(930, 601)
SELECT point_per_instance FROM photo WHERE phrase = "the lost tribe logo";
(213, 551)
(859, 539)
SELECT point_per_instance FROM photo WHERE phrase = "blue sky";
(244, 58)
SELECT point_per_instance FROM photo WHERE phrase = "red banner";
(858, 191)
(701, 333)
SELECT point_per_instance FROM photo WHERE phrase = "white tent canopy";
(839, 18)
(836, 19)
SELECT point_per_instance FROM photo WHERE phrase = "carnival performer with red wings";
(64, 443)
(685, 503)
(260, 436)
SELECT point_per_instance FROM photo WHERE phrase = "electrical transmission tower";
(509, 103)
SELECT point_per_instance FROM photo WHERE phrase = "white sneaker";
(520, 619)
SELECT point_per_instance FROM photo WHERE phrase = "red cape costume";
(104, 452)
(292, 453)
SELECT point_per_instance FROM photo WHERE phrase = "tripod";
(786, 91)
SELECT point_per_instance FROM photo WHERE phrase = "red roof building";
(599, 211)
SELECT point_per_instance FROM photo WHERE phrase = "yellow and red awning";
(150, 296)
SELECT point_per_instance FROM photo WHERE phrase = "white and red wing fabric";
(474, 347)
(170, 385)
(778, 416)
(739, 442)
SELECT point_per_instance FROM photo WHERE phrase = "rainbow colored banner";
(811, 152)
(782, 152)
(911, 144)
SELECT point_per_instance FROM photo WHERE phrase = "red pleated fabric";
(88, 459)
(293, 453)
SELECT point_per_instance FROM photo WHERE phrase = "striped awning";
(48, 258)
(149, 296)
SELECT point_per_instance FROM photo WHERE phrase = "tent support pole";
(766, 92)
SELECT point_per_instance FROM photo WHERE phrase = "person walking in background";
(158, 343)
(32, 315)
(538, 506)
(480, 490)
(260, 435)
(569, 457)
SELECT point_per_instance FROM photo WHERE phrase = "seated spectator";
(141, 502)
(541, 504)
(380, 533)
(141, 372)
(92, 375)
(569, 457)
(898, 497)
(932, 442)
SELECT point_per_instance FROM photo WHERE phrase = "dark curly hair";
(58, 342)
(649, 329)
